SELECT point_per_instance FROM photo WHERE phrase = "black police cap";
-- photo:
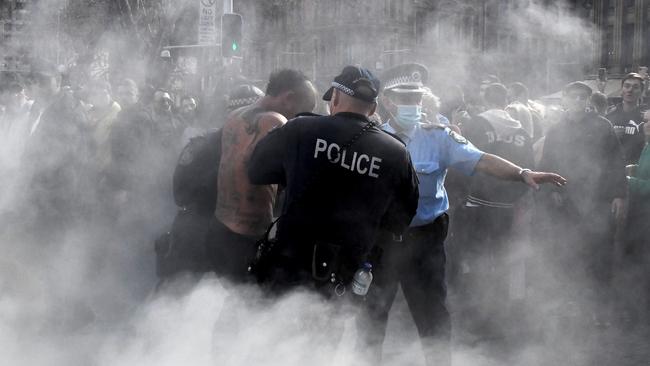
(356, 82)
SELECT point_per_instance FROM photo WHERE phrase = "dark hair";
(285, 80)
(599, 100)
(496, 94)
(188, 97)
(519, 90)
(634, 75)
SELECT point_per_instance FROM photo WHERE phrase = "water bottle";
(362, 279)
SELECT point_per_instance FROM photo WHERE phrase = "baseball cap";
(356, 82)
(577, 85)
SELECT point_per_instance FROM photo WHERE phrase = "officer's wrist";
(523, 172)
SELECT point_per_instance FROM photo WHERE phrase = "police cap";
(356, 82)
(244, 95)
(405, 78)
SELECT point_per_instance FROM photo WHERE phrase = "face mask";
(408, 116)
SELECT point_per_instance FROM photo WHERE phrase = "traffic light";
(231, 35)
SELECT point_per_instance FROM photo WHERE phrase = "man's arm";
(405, 203)
(266, 164)
(504, 169)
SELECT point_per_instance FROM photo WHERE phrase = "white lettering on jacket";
(360, 163)
(517, 140)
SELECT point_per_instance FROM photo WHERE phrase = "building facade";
(14, 22)
(622, 35)
(458, 40)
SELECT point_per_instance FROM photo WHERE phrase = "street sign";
(207, 22)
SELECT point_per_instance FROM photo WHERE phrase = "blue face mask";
(408, 116)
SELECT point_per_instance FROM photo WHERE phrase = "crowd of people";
(267, 192)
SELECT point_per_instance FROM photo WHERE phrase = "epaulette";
(308, 114)
(394, 136)
(457, 137)
(433, 125)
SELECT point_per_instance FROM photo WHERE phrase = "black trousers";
(229, 253)
(418, 265)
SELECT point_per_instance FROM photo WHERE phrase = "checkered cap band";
(343, 88)
(415, 79)
(240, 102)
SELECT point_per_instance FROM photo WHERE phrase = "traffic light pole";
(227, 6)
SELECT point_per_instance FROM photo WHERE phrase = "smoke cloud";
(85, 295)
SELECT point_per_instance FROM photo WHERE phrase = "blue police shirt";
(433, 150)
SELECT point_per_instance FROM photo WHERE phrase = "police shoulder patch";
(457, 137)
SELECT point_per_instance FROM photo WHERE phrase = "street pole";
(227, 6)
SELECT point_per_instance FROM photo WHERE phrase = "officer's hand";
(619, 209)
(534, 179)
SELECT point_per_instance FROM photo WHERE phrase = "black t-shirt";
(628, 128)
(339, 198)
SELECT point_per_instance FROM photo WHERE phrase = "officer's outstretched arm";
(503, 169)
(266, 163)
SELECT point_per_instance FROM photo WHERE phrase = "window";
(627, 45)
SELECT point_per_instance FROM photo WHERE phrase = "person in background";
(637, 238)
(586, 213)
(627, 117)
(431, 108)
(101, 117)
(518, 93)
(58, 150)
(188, 118)
(491, 208)
(15, 130)
(598, 102)
(126, 93)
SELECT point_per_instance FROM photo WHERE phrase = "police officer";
(417, 260)
(344, 178)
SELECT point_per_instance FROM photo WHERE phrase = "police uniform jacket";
(336, 196)
(195, 179)
(434, 148)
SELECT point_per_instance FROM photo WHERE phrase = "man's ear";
(335, 98)
(373, 109)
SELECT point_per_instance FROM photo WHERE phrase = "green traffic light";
(234, 46)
